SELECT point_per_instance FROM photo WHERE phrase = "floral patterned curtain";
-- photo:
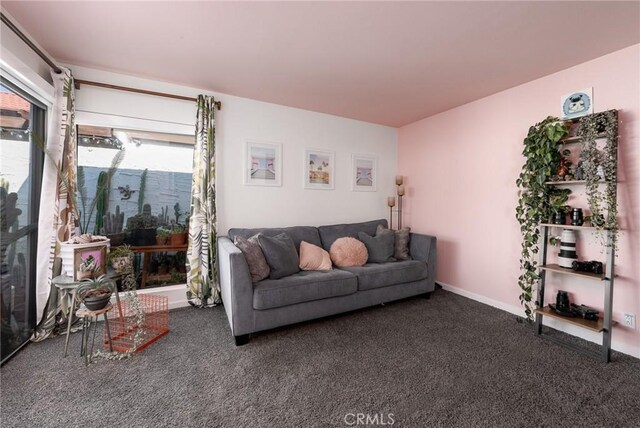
(202, 278)
(57, 219)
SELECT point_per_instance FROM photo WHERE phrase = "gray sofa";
(308, 295)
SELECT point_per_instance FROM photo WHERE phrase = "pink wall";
(461, 167)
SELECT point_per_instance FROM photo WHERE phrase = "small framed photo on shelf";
(263, 164)
(319, 170)
(89, 262)
(364, 173)
(577, 104)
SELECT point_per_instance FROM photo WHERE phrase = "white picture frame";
(319, 169)
(364, 172)
(577, 103)
(262, 164)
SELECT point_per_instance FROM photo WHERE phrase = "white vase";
(67, 252)
(567, 249)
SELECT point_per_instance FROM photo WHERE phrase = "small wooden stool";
(89, 317)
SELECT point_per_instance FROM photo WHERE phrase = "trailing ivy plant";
(542, 161)
(601, 165)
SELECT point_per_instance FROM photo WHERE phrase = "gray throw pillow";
(379, 247)
(281, 255)
(401, 246)
(258, 267)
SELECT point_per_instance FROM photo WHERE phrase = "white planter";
(67, 251)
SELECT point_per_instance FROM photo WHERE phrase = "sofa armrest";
(423, 247)
(236, 287)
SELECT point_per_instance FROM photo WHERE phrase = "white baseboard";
(177, 294)
(550, 322)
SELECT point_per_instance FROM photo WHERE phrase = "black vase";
(559, 217)
(577, 219)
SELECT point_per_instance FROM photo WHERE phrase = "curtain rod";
(79, 82)
(29, 43)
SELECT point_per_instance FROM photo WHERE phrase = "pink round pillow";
(347, 252)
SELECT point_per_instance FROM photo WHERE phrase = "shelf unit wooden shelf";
(605, 323)
(567, 226)
(566, 271)
(596, 326)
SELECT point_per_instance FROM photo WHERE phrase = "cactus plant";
(102, 199)
(113, 223)
(143, 185)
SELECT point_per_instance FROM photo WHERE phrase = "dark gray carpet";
(448, 361)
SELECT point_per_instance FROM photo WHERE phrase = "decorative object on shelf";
(542, 160)
(577, 218)
(391, 202)
(364, 173)
(565, 164)
(592, 266)
(596, 164)
(401, 191)
(568, 253)
(142, 227)
(557, 203)
(178, 235)
(112, 227)
(576, 104)
(319, 170)
(162, 236)
(96, 293)
(263, 164)
(562, 301)
(121, 258)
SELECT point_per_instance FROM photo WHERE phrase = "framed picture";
(364, 173)
(319, 170)
(576, 104)
(263, 164)
(89, 256)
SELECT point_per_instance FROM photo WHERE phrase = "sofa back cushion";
(296, 233)
(329, 234)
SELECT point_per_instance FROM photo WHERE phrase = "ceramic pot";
(162, 240)
(143, 237)
(95, 303)
(178, 238)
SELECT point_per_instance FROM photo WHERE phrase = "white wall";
(243, 119)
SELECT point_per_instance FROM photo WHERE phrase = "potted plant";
(121, 259)
(558, 206)
(142, 227)
(164, 263)
(162, 237)
(180, 261)
(96, 293)
(178, 235)
(112, 227)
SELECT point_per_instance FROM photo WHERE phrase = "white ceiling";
(383, 62)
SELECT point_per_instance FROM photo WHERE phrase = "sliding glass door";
(21, 161)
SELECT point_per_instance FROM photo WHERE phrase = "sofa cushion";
(328, 234)
(379, 247)
(252, 252)
(297, 234)
(303, 286)
(348, 251)
(280, 253)
(401, 244)
(376, 275)
(313, 257)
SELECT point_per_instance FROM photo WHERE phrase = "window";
(150, 188)
(21, 164)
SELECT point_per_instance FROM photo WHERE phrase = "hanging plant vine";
(542, 160)
(601, 165)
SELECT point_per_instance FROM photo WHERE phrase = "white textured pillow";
(313, 257)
